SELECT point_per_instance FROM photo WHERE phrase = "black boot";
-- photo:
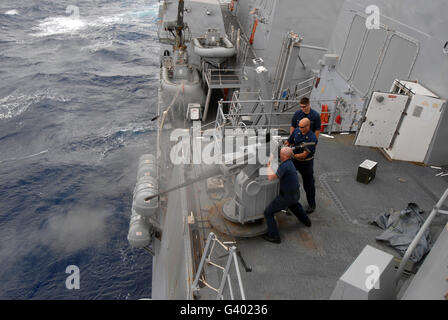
(310, 209)
(267, 237)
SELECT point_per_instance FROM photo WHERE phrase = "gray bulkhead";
(409, 46)
(314, 20)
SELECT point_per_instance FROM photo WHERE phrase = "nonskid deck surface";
(309, 261)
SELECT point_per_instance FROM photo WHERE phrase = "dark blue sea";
(78, 90)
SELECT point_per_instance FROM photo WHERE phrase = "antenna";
(180, 27)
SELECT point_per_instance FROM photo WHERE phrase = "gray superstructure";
(243, 66)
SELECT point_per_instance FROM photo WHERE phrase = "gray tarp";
(401, 228)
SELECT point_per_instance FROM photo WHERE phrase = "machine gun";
(224, 170)
(299, 148)
(303, 147)
(252, 193)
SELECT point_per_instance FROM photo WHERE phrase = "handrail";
(258, 127)
(224, 70)
(214, 76)
(279, 101)
(233, 118)
(413, 245)
(211, 72)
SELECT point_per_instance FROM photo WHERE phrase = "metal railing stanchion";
(417, 238)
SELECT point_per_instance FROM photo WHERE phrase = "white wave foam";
(12, 13)
(59, 25)
(24, 158)
(74, 24)
(15, 104)
(12, 106)
(108, 20)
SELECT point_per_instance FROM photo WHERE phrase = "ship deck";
(309, 261)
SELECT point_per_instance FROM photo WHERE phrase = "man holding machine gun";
(304, 143)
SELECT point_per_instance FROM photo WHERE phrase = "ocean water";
(78, 89)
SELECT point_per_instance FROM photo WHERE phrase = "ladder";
(212, 240)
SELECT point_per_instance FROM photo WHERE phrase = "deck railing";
(436, 210)
(224, 78)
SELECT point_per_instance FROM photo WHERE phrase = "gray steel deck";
(308, 262)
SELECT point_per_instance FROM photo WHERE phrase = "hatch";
(381, 121)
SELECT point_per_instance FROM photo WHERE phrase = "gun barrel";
(212, 174)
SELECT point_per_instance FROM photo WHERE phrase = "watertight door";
(382, 118)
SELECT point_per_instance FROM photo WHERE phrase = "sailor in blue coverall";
(306, 112)
(304, 159)
(289, 195)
